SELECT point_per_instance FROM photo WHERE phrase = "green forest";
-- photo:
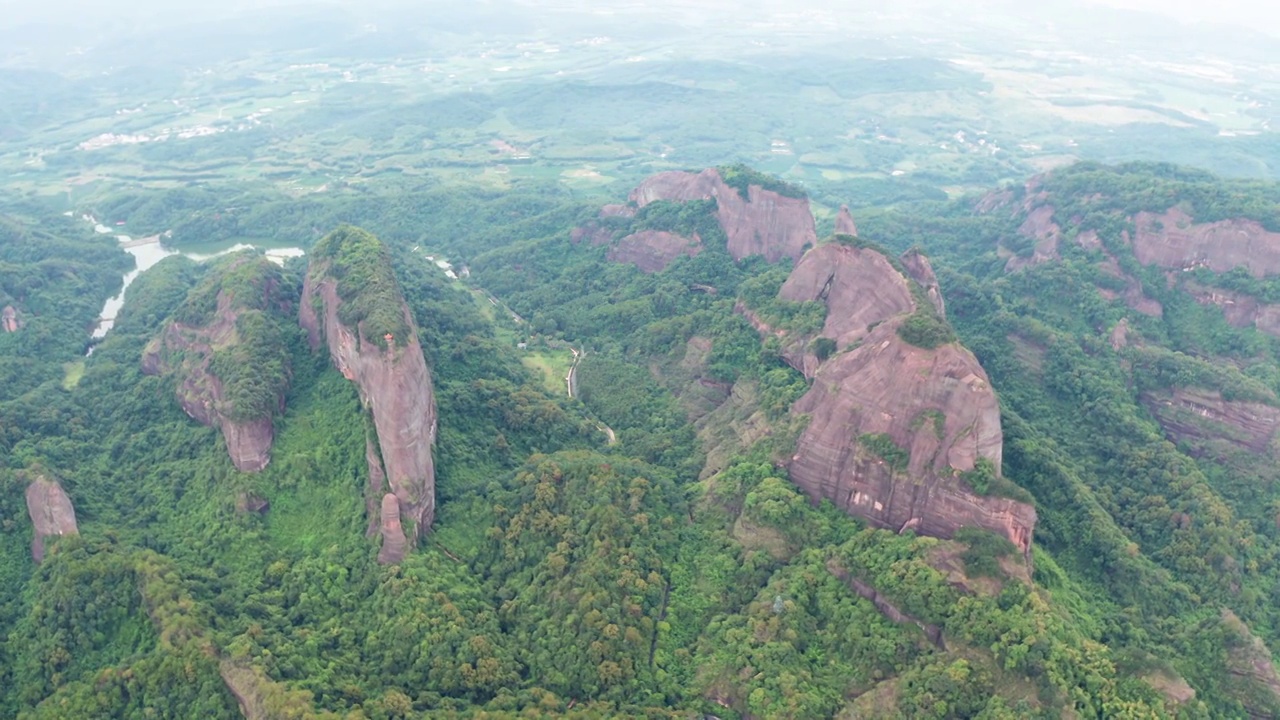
(628, 543)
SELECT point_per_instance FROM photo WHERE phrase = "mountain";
(758, 215)
(903, 424)
(352, 301)
(982, 457)
(227, 346)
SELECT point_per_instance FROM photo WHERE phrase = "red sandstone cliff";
(936, 405)
(1175, 241)
(1197, 416)
(395, 385)
(187, 350)
(51, 513)
(762, 223)
(860, 288)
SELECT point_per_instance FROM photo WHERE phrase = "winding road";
(571, 382)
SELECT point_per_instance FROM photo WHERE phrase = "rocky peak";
(898, 434)
(920, 269)
(226, 347)
(860, 288)
(373, 341)
(844, 222)
(51, 513)
(9, 320)
(678, 186)
(892, 430)
(758, 221)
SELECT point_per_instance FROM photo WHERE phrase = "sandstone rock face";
(1175, 241)
(188, 350)
(1120, 335)
(393, 539)
(395, 385)
(51, 513)
(936, 407)
(1250, 663)
(921, 270)
(1133, 294)
(1190, 414)
(859, 287)
(592, 233)
(9, 321)
(764, 223)
(678, 186)
(377, 487)
(653, 250)
(1239, 310)
(1039, 225)
(844, 222)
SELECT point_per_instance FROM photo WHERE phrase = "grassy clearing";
(553, 365)
(72, 372)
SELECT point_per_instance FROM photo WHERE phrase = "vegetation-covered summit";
(366, 283)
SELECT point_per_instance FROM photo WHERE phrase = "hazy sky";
(1258, 15)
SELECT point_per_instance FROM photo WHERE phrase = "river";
(147, 254)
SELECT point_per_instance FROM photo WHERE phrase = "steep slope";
(903, 423)
(52, 514)
(227, 345)
(758, 214)
(352, 301)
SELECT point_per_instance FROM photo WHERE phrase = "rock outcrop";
(1195, 415)
(653, 250)
(1175, 241)
(844, 222)
(920, 269)
(860, 288)
(891, 426)
(52, 514)
(248, 503)
(1037, 225)
(764, 222)
(1238, 309)
(393, 382)
(9, 320)
(938, 411)
(1040, 227)
(1250, 664)
(394, 543)
(190, 344)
